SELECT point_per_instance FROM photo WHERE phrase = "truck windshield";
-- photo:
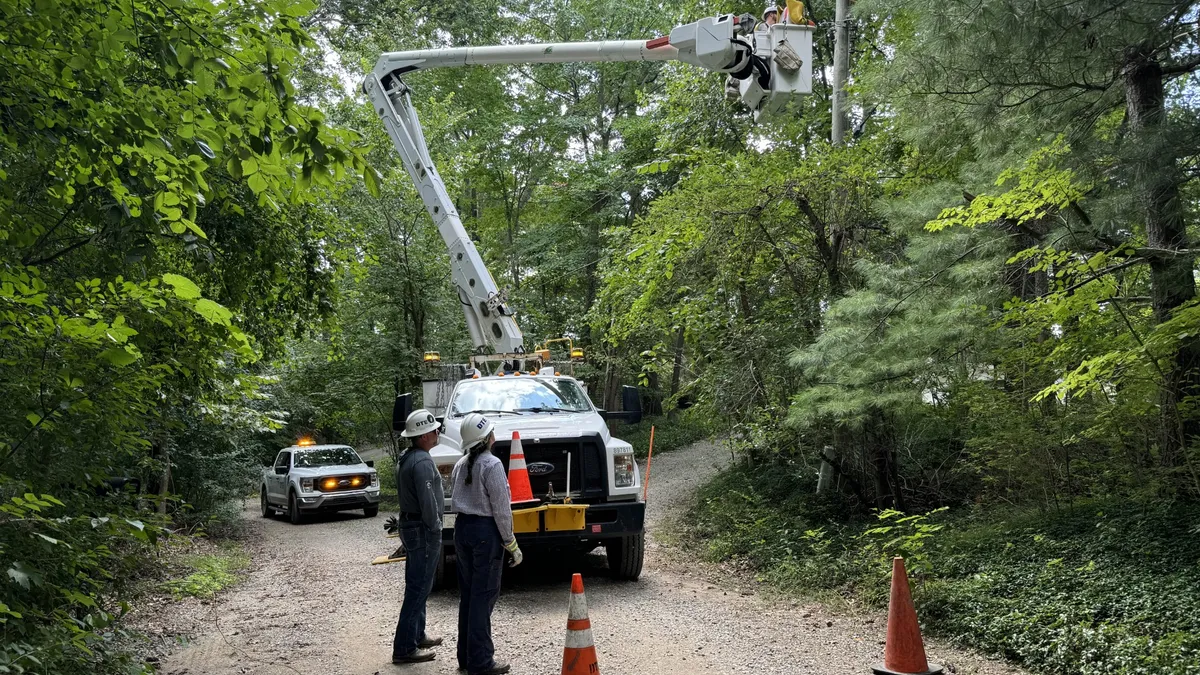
(326, 457)
(518, 395)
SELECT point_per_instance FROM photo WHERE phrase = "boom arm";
(773, 65)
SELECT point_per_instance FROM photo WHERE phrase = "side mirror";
(401, 409)
(281, 471)
(370, 463)
(631, 402)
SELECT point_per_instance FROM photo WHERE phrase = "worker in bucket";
(420, 487)
(770, 17)
(483, 531)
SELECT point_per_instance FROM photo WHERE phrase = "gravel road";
(312, 604)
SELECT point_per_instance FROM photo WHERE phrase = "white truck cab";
(568, 451)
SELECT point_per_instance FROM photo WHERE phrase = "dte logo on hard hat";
(481, 423)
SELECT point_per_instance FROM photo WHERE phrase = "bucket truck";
(570, 454)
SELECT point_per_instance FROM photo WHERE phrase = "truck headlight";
(306, 485)
(374, 479)
(623, 470)
(447, 484)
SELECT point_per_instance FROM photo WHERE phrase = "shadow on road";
(541, 571)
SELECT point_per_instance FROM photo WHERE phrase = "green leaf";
(300, 8)
(213, 312)
(118, 356)
(372, 178)
(184, 288)
(18, 574)
(258, 183)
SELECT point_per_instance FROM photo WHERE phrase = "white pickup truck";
(312, 478)
(556, 420)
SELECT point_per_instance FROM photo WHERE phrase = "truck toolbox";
(550, 518)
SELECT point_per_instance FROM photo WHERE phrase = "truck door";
(277, 484)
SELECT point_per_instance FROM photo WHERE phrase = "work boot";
(428, 642)
(496, 669)
(418, 656)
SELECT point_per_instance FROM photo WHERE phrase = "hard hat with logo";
(419, 423)
(475, 428)
(771, 9)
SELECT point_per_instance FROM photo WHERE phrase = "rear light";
(623, 470)
(447, 484)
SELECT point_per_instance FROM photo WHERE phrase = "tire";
(264, 506)
(440, 580)
(371, 511)
(625, 556)
(294, 514)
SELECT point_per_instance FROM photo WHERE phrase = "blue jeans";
(480, 562)
(423, 547)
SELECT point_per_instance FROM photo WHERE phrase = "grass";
(203, 575)
(1101, 587)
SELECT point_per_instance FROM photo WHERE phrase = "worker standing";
(483, 531)
(421, 502)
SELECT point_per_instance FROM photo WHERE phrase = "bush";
(670, 434)
(1097, 588)
(70, 562)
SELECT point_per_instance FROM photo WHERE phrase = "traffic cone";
(518, 476)
(904, 652)
(579, 654)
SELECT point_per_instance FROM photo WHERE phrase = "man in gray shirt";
(420, 487)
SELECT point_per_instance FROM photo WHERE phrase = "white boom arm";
(773, 65)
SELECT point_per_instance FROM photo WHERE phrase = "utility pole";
(841, 67)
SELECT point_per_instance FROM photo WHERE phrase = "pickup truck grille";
(343, 483)
(548, 465)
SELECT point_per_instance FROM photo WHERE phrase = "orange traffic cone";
(904, 653)
(579, 655)
(518, 475)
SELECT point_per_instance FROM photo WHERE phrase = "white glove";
(517, 556)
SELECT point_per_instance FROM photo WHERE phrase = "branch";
(55, 256)
(1182, 68)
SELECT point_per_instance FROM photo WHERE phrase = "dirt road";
(312, 605)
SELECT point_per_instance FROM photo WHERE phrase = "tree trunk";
(1155, 175)
(677, 361)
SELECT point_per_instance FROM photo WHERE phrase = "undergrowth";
(203, 575)
(685, 428)
(1101, 587)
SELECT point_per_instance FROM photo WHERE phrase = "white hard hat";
(419, 423)
(771, 9)
(475, 428)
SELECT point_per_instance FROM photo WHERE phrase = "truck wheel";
(294, 514)
(439, 572)
(625, 556)
(263, 506)
(371, 511)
